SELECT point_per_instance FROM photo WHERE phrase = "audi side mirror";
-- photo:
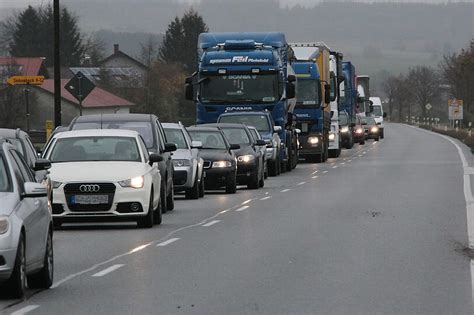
(34, 190)
(170, 147)
(234, 147)
(155, 158)
(260, 142)
(42, 165)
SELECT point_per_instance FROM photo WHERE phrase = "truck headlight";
(136, 182)
(332, 136)
(313, 140)
(4, 224)
(221, 164)
(344, 129)
(181, 162)
(246, 158)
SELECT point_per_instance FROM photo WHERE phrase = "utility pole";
(57, 66)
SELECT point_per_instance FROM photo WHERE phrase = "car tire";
(261, 183)
(283, 167)
(147, 221)
(272, 168)
(193, 192)
(377, 139)
(231, 185)
(163, 198)
(57, 223)
(43, 279)
(170, 199)
(202, 188)
(362, 142)
(157, 214)
(16, 285)
(381, 135)
(254, 181)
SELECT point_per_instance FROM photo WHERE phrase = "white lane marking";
(324, 172)
(139, 248)
(342, 163)
(360, 155)
(349, 160)
(266, 198)
(171, 240)
(302, 183)
(108, 270)
(211, 223)
(364, 152)
(335, 166)
(314, 172)
(285, 190)
(246, 201)
(25, 310)
(242, 208)
(314, 177)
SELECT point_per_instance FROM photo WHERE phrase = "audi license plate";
(90, 199)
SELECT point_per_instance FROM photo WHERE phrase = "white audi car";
(104, 175)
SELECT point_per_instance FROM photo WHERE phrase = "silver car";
(188, 165)
(25, 218)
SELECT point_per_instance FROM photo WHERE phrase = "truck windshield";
(343, 121)
(240, 88)
(307, 92)
(258, 121)
(377, 112)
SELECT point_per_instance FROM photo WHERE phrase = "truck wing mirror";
(277, 129)
(189, 91)
(291, 78)
(327, 93)
(384, 115)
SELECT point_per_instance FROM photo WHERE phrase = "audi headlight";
(332, 136)
(4, 224)
(136, 182)
(221, 164)
(181, 162)
(374, 129)
(359, 130)
(55, 184)
(344, 129)
(313, 140)
(246, 158)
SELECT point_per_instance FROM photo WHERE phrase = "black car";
(149, 127)
(220, 162)
(23, 144)
(250, 160)
(345, 129)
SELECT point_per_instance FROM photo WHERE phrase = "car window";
(255, 134)
(142, 127)
(237, 135)
(146, 155)
(161, 136)
(88, 149)
(31, 150)
(5, 181)
(176, 136)
(25, 170)
(258, 121)
(209, 139)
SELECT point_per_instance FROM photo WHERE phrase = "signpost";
(455, 109)
(80, 86)
(26, 80)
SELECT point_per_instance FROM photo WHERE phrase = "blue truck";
(348, 104)
(247, 72)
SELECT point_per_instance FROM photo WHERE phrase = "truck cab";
(378, 114)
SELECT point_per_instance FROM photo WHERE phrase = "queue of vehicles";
(262, 105)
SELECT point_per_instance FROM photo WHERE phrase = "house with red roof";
(98, 101)
(31, 66)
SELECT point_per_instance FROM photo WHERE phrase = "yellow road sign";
(26, 79)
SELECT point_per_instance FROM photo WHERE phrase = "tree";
(12, 99)
(94, 51)
(424, 85)
(30, 35)
(149, 52)
(181, 38)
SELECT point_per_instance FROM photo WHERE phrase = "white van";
(378, 113)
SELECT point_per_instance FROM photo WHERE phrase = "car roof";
(11, 133)
(204, 128)
(97, 132)
(171, 125)
(228, 125)
(114, 117)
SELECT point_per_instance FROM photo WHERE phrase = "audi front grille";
(74, 189)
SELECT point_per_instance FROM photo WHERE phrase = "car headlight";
(332, 136)
(55, 184)
(181, 162)
(221, 164)
(136, 182)
(359, 130)
(344, 129)
(374, 129)
(246, 158)
(313, 140)
(4, 225)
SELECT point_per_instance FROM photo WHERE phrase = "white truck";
(378, 113)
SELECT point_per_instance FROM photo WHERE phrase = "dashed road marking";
(211, 223)
(285, 190)
(314, 172)
(335, 166)
(266, 198)
(167, 242)
(139, 248)
(242, 208)
(246, 201)
(342, 163)
(301, 183)
(314, 177)
(349, 160)
(25, 310)
(108, 270)
(324, 172)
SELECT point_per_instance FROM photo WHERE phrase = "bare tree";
(424, 85)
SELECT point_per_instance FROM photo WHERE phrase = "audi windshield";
(87, 149)
(240, 88)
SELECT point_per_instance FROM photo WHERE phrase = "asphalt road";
(381, 230)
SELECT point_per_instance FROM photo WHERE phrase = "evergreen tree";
(26, 39)
(180, 42)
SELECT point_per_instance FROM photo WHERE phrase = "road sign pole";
(27, 106)
(57, 66)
